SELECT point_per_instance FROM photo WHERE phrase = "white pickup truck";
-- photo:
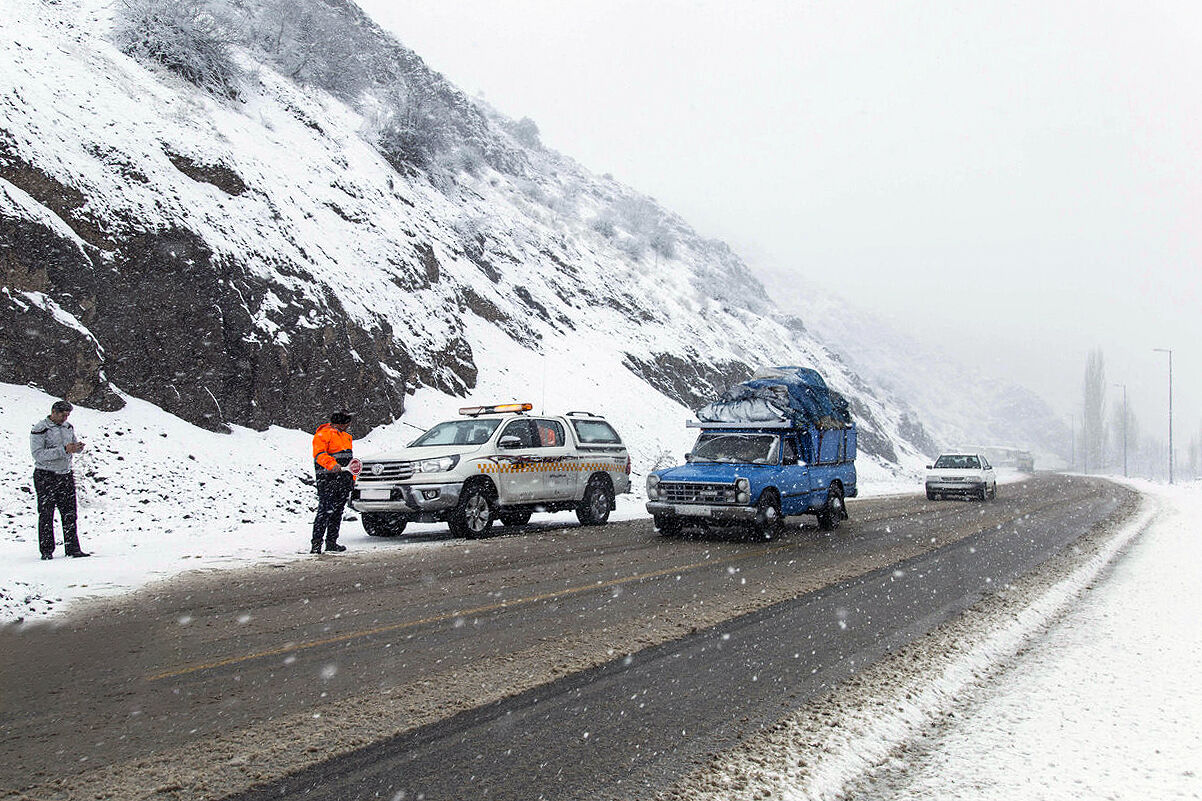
(495, 462)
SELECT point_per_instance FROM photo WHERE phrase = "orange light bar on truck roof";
(499, 408)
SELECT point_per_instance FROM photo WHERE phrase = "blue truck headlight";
(652, 486)
(743, 497)
(742, 484)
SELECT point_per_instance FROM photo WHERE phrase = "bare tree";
(1095, 410)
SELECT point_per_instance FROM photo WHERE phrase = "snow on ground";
(1107, 704)
(1077, 681)
(158, 496)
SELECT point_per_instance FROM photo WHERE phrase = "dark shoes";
(47, 556)
(331, 547)
(78, 554)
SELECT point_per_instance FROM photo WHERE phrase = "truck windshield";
(745, 448)
(457, 432)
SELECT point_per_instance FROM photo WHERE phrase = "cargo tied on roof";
(795, 395)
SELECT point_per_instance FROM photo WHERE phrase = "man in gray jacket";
(54, 445)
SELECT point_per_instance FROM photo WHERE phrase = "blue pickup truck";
(750, 470)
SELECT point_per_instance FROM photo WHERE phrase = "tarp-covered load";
(797, 395)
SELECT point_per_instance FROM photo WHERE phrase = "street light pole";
(1124, 386)
(1170, 352)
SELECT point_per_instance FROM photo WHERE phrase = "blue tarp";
(793, 394)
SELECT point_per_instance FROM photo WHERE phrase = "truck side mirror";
(510, 442)
(930, 467)
(688, 457)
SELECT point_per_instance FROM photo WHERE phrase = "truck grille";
(388, 471)
(693, 492)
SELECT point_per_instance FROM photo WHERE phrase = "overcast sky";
(1019, 181)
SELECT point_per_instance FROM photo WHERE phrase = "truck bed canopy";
(796, 395)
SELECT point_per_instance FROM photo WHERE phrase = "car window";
(521, 430)
(789, 450)
(596, 432)
(549, 433)
(457, 432)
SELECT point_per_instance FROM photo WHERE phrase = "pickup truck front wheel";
(474, 515)
(383, 524)
(595, 507)
(768, 521)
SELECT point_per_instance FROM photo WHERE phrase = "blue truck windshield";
(736, 448)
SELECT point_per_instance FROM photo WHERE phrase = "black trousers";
(55, 491)
(333, 490)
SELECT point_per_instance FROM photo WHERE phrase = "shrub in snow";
(526, 132)
(465, 159)
(187, 37)
(633, 246)
(663, 243)
(310, 42)
(410, 129)
(604, 225)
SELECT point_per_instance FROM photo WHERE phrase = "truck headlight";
(440, 465)
(742, 484)
(652, 486)
(743, 497)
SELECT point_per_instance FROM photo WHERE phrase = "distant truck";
(751, 470)
(495, 462)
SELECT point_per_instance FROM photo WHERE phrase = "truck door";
(818, 474)
(516, 481)
(555, 475)
(794, 481)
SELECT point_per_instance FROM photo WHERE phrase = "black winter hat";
(341, 418)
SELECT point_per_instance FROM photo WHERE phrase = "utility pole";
(1170, 352)
(1124, 386)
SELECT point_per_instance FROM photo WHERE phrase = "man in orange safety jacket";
(331, 453)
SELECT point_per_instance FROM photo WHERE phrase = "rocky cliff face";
(258, 260)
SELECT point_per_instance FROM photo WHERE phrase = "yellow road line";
(479, 610)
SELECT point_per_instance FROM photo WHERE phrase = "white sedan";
(967, 474)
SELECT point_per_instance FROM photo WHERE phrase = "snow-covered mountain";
(261, 258)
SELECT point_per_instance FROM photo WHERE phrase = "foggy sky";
(1018, 182)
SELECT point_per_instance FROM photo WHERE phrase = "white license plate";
(374, 494)
(693, 511)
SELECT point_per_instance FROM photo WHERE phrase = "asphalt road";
(609, 660)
